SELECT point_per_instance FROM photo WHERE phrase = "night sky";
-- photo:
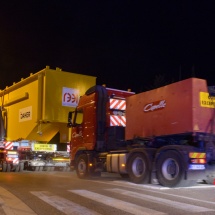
(125, 44)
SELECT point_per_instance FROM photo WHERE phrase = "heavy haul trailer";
(9, 161)
(168, 134)
(34, 110)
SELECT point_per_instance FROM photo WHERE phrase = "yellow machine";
(35, 109)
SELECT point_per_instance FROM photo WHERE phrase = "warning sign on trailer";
(206, 100)
(44, 147)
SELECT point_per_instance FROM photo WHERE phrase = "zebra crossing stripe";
(174, 204)
(62, 204)
(12, 205)
(116, 203)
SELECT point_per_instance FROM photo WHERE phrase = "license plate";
(196, 167)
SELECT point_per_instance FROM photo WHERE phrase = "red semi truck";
(164, 134)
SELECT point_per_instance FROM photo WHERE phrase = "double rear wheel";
(138, 168)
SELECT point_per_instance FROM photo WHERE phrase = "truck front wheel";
(82, 166)
(170, 169)
(138, 168)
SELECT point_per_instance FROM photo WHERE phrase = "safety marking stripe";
(116, 203)
(116, 120)
(170, 203)
(68, 148)
(9, 145)
(117, 104)
(197, 155)
(16, 160)
(12, 205)
(62, 204)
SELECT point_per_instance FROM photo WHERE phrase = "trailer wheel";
(4, 168)
(138, 168)
(17, 168)
(21, 167)
(26, 166)
(8, 167)
(170, 170)
(1, 163)
(82, 166)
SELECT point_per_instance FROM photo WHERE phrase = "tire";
(171, 171)
(17, 168)
(8, 167)
(82, 166)
(4, 167)
(21, 167)
(138, 168)
(26, 166)
(1, 163)
(33, 168)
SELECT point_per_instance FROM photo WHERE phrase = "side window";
(79, 117)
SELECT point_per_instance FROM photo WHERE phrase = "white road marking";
(174, 204)
(12, 205)
(146, 187)
(62, 204)
(116, 203)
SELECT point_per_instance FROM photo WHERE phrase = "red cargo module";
(181, 107)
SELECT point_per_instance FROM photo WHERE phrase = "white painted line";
(144, 187)
(62, 204)
(116, 203)
(174, 204)
(12, 205)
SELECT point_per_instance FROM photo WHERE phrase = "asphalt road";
(58, 193)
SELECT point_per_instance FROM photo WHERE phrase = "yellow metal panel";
(206, 100)
(39, 99)
(43, 132)
(21, 113)
(56, 82)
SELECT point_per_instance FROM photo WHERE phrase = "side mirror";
(69, 124)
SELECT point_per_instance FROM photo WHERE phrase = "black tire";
(33, 168)
(138, 168)
(17, 168)
(26, 166)
(82, 166)
(1, 163)
(21, 167)
(171, 171)
(8, 167)
(4, 167)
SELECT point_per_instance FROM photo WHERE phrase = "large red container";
(181, 107)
